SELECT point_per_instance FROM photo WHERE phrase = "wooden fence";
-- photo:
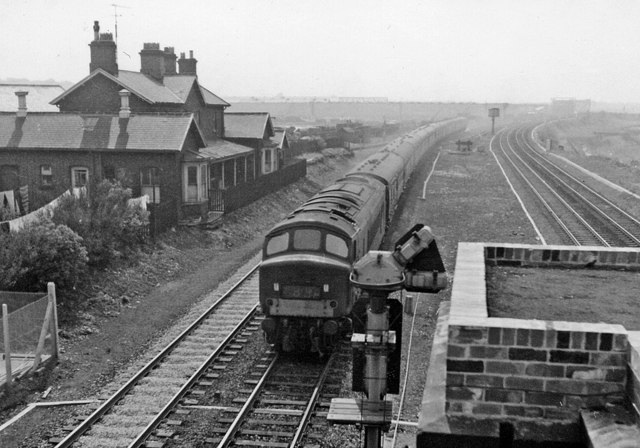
(241, 195)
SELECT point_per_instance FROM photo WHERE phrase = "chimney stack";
(125, 111)
(22, 103)
(152, 60)
(187, 66)
(103, 51)
(170, 61)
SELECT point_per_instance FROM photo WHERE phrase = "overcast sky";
(430, 50)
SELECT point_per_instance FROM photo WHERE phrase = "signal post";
(416, 266)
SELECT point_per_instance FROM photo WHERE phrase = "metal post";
(7, 344)
(372, 437)
(493, 125)
(376, 361)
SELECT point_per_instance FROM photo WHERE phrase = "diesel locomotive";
(304, 290)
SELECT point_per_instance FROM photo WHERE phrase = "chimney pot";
(190, 54)
(22, 103)
(125, 111)
(96, 30)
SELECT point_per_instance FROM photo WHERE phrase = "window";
(278, 243)
(195, 182)
(267, 161)
(46, 176)
(150, 183)
(337, 246)
(79, 176)
(109, 173)
(216, 176)
(203, 184)
(306, 239)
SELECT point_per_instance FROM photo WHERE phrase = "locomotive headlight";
(276, 286)
(325, 287)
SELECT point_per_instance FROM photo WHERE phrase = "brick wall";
(126, 166)
(533, 375)
(633, 379)
(517, 370)
(562, 256)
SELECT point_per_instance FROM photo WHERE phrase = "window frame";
(150, 183)
(46, 180)
(79, 169)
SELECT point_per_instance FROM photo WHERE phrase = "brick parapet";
(633, 385)
(531, 373)
(562, 256)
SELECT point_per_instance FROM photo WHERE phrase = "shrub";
(40, 253)
(108, 225)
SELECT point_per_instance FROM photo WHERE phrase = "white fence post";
(7, 344)
(51, 290)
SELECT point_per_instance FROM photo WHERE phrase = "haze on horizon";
(434, 50)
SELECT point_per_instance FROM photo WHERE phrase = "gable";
(252, 125)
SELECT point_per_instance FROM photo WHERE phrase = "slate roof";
(212, 99)
(37, 99)
(173, 90)
(97, 132)
(222, 149)
(280, 138)
(256, 125)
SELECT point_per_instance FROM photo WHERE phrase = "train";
(304, 287)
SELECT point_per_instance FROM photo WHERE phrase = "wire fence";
(27, 332)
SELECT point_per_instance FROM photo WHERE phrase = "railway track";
(131, 415)
(278, 401)
(581, 215)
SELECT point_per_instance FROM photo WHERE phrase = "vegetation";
(86, 231)
(110, 228)
(41, 253)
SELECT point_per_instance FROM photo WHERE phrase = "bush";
(109, 226)
(41, 253)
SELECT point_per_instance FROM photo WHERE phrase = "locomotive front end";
(304, 289)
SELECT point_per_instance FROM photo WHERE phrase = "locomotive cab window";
(278, 243)
(307, 239)
(337, 246)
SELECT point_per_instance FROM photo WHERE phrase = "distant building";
(564, 107)
(40, 95)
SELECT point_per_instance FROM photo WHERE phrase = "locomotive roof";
(337, 206)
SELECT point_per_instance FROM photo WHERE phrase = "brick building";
(158, 155)
(158, 131)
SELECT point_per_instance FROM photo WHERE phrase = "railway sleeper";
(274, 411)
(257, 421)
(257, 432)
(262, 443)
